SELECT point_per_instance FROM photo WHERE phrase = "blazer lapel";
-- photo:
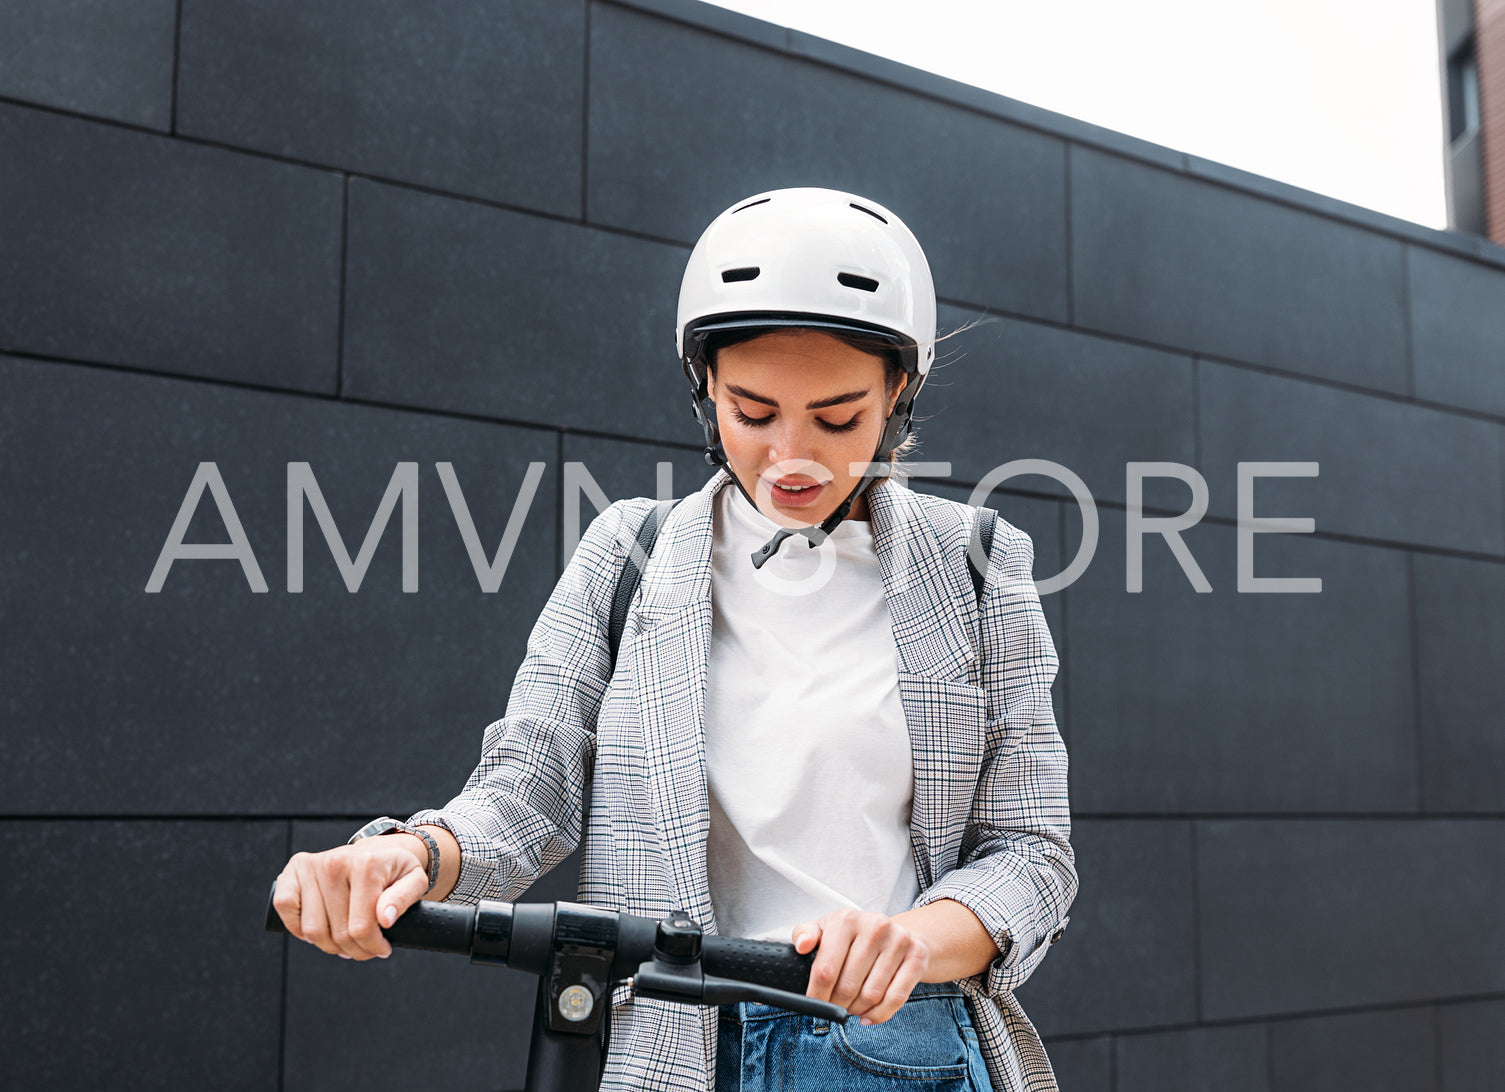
(933, 609)
(929, 605)
(669, 660)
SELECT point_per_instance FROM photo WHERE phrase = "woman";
(815, 730)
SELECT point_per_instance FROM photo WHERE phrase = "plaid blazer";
(990, 824)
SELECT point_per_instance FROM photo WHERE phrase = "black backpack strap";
(632, 574)
(982, 536)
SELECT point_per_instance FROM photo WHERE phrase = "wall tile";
(484, 97)
(92, 56)
(762, 120)
(1460, 632)
(1191, 265)
(622, 470)
(1082, 1065)
(1378, 1051)
(127, 248)
(1388, 470)
(136, 957)
(1471, 1041)
(1302, 915)
(1019, 390)
(1457, 330)
(1229, 1059)
(1126, 960)
(452, 305)
(334, 1004)
(1224, 701)
(207, 697)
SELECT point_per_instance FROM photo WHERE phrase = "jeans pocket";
(920, 1043)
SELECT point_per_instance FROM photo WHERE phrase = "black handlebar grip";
(766, 962)
(435, 927)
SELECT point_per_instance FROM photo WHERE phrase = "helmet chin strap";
(816, 533)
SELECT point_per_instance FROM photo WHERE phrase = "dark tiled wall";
(401, 247)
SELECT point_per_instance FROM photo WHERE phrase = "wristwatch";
(387, 825)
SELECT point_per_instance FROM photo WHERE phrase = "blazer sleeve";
(1016, 872)
(520, 812)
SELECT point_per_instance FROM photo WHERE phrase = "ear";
(893, 399)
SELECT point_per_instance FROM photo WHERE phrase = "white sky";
(1338, 96)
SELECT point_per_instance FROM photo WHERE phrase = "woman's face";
(796, 408)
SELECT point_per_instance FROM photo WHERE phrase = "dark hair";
(872, 344)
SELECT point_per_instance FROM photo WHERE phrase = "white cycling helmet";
(812, 258)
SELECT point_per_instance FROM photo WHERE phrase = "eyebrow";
(823, 403)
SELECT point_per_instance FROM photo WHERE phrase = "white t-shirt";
(807, 754)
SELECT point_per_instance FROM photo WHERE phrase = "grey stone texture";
(1387, 469)
(1127, 960)
(1082, 1065)
(127, 248)
(1305, 915)
(1460, 639)
(1457, 331)
(1152, 258)
(1471, 1042)
(457, 306)
(207, 697)
(359, 235)
(134, 957)
(95, 57)
(483, 97)
(1229, 1059)
(1012, 389)
(665, 162)
(1392, 1051)
(1228, 702)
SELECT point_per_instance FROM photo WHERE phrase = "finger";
(867, 943)
(367, 885)
(873, 990)
(404, 892)
(334, 886)
(836, 935)
(806, 936)
(314, 921)
(287, 900)
(909, 974)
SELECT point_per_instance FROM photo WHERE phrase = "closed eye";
(845, 426)
(744, 419)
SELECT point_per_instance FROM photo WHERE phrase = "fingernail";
(344, 956)
(389, 915)
(865, 1022)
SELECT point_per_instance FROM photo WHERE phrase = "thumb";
(406, 890)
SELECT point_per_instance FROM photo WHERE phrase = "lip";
(801, 498)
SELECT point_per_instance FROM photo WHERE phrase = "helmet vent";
(861, 208)
(759, 201)
(852, 280)
(746, 273)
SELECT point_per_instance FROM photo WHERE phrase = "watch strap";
(387, 825)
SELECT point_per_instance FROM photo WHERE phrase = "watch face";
(376, 826)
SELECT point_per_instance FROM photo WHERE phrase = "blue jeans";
(929, 1043)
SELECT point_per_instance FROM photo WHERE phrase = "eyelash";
(742, 418)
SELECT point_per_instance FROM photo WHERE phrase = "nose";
(792, 442)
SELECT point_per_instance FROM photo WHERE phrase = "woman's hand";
(867, 963)
(334, 899)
